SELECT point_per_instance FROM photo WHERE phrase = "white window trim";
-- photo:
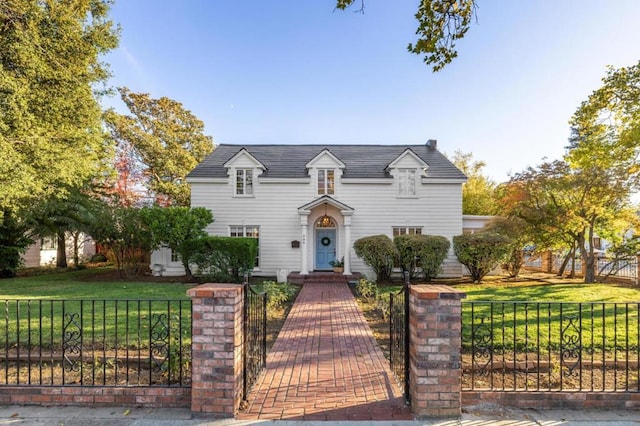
(406, 229)
(246, 171)
(405, 179)
(325, 190)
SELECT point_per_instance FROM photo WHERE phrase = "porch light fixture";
(325, 220)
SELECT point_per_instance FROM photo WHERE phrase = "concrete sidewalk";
(123, 416)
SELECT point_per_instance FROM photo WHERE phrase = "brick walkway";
(326, 365)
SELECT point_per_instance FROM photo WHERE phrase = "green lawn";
(77, 285)
(528, 314)
(117, 312)
(531, 315)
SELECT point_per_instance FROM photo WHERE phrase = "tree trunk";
(588, 257)
(187, 269)
(61, 252)
(76, 249)
(565, 262)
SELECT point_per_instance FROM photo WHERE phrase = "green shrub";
(432, 255)
(421, 252)
(383, 305)
(278, 294)
(368, 290)
(480, 252)
(98, 258)
(222, 259)
(379, 253)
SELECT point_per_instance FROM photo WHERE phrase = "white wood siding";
(437, 208)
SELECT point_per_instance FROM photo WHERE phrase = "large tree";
(440, 24)
(606, 126)
(478, 192)
(51, 135)
(168, 141)
(50, 121)
(570, 204)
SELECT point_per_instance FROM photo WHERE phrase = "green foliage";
(13, 243)
(603, 152)
(424, 252)
(379, 253)
(480, 252)
(440, 24)
(51, 135)
(368, 290)
(279, 294)
(478, 192)
(168, 140)
(222, 259)
(123, 231)
(98, 258)
(173, 227)
(59, 215)
(519, 234)
(606, 126)
(569, 205)
(337, 263)
(432, 255)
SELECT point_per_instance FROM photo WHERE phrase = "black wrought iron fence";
(95, 342)
(399, 337)
(255, 336)
(538, 346)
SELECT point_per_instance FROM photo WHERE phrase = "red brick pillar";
(216, 377)
(435, 350)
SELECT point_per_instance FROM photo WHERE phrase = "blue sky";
(287, 71)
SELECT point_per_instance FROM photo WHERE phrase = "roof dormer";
(325, 160)
(408, 160)
(244, 160)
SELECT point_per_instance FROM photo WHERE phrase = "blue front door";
(325, 248)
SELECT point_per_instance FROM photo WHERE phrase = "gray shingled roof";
(361, 161)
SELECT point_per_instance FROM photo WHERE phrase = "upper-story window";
(407, 182)
(326, 181)
(244, 182)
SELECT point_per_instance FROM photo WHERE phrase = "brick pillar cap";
(436, 292)
(214, 289)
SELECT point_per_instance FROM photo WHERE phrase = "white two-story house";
(307, 204)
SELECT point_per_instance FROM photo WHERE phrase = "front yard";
(540, 332)
(101, 328)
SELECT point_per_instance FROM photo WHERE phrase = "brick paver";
(326, 365)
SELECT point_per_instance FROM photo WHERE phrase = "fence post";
(216, 378)
(435, 348)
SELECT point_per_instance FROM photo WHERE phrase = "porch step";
(322, 277)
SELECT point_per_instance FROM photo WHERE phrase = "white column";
(304, 268)
(347, 242)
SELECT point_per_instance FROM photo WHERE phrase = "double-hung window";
(250, 231)
(326, 181)
(407, 230)
(407, 182)
(244, 182)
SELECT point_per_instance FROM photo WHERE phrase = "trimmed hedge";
(480, 252)
(422, 252)
(223, 259)
(379, 252)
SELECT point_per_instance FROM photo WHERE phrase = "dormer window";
(244, 182)
(407, 182)
(326, 181)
